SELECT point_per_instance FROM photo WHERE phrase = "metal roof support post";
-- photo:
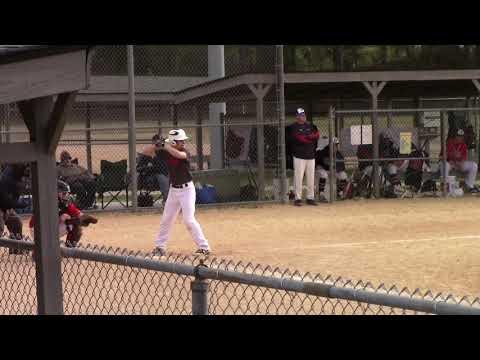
(7, 123)
(374, 89)
(477, 84)
(2, 122)
(199, 141)
(216, 70)
(340, 123)
(280, 82)
(260, 91)
(468, 117)
(88, 136)
(332, 174)
(132, 130)
(477, 123)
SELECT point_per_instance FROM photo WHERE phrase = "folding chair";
(113, 181)
(148, 185)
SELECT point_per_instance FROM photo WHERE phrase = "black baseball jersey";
(303, 140)
(322, 158)
(178, 169)
(11, 187)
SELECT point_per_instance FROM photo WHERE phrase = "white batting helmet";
(176, 135)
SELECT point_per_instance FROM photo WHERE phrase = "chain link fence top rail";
(100, 280)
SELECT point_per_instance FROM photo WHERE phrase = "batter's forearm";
(174, 152)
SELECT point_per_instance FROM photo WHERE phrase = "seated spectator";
(365, 168)
(12, 184)
(81, 182)
(322, 160)
(457, 160)
(393, 168)
(152, 169)
(417, 170)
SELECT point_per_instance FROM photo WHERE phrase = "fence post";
(332, 158)
(281, 109)
(7, 123)
(376, 149)
(223, 138)
(443, 138)
(477, 129)
(260, 150)
(88, 135)
(2, 121)
(132, 134)
(199, 289)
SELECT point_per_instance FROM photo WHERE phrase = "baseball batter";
(181, 195)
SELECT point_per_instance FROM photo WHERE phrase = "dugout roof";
(305, 86)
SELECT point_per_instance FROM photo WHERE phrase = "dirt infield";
(426, 243)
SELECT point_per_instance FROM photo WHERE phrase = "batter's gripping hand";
(160, 142)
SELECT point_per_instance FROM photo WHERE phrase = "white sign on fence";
(431, 119)
(405, 143)
(361, 135)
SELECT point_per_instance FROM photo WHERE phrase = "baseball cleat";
(158, 252)
(311, 202)
(474, 190)
(70, 244)
(297, 203)
(322, 199)
(202, 252)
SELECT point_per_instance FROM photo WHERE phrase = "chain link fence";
(234, 130)
(17, 284)
(108, 281)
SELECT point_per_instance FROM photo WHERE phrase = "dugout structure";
(43, 81)
(254, 90)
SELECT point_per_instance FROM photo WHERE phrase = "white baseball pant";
(393, 169)
(183, 199)
(468, 167)
(304, 167)
(341, 175)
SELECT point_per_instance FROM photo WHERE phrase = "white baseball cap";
(177, 135)
(300, 111)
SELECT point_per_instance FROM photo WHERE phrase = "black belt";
(181, 186)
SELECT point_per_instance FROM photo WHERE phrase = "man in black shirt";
(181, 195)
(303, 138)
